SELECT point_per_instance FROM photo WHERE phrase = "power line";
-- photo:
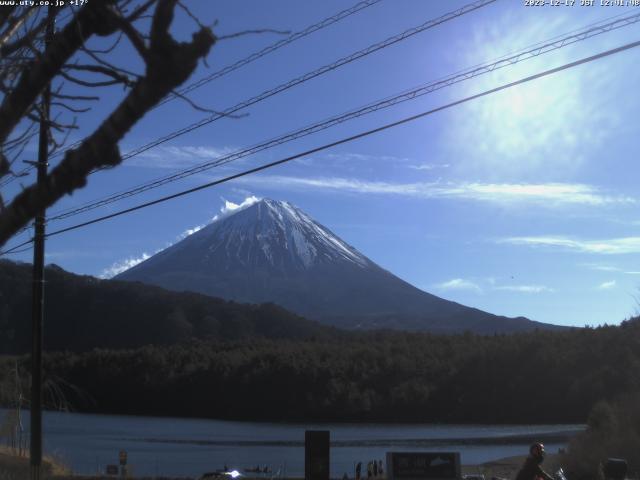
(17, 248)
(353, 137)
(254, 56)
(539, 49)
(273, 47)
(10, 178)
(311, 75)
(259, 54)
(234, 66)
(292, 83)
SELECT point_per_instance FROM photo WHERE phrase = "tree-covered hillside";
(119, 347)
(84, 312)
(378, 376)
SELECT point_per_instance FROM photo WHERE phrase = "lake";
(189, 447)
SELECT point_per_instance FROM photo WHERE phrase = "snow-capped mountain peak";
(277, 233)
(271, 251)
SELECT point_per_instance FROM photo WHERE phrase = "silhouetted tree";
(27, 67)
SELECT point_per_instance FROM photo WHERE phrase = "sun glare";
(540, 126)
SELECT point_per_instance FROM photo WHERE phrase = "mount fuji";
(271, 251)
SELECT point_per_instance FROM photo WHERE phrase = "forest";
(84, 312)
(123, 347)
(385, 376)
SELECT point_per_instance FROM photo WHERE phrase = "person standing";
(531, 470)
(358, 470)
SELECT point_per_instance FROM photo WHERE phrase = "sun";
(539, 126)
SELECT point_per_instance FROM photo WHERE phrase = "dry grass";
(16, 467)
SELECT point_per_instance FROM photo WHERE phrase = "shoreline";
(295, 422)
(508, 467)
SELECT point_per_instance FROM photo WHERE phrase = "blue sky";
(524, 202)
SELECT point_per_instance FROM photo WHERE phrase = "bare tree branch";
(5, 14)
(140, 11)
(75, 97)
(88, 83)
(116, 76)
(15, 25)
(168, 64)
(70, 108)
(89, 20)
(26, 40)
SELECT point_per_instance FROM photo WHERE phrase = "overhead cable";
(351, 138)
(482, 69)
(273, 47)
(236, 65)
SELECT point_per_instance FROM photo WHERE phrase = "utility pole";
(38, 280)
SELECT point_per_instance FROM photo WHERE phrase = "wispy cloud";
(130, 262)
(459, 284)
(230, 207)
(547, 194)
(364, 157)
(174, 157)
(608, 268)
(525, 288)
(226, 209)
(601, 267)
(191, 231)
(429, 166)
(607, 285)
(122, 265)
(490, 285)
(611, 246)
(349, 162)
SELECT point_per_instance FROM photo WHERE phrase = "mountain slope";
(82, 313)
(274, 252)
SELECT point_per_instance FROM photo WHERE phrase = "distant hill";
(84, 312)
(274, 252)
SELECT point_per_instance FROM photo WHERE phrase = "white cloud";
(429, 166)
(608, 268)
(459, 284)
(525, 288)
(611, 246)
(546, 194)
(601, 267)
(191, 231)
(607, 285)
(364, 157)
(175, 157)
(228, 208)
(122, 265)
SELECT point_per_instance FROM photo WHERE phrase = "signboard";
(111, 470)
(123, 457)
(423, 466)
(316, 455)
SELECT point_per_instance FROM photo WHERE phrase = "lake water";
(189, 447)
